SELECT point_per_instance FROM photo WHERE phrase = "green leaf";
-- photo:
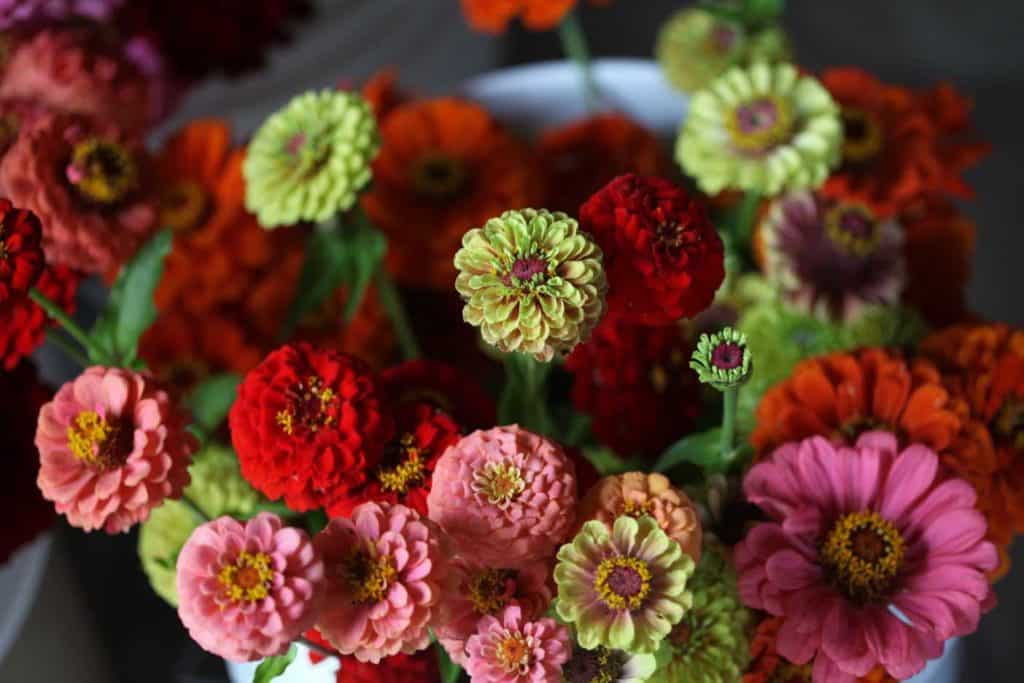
(130, 309)
(607, 463)
(272, 667)
(211, 400)
(450, 671)
(277, 508)
(366, 247)
(701, 449)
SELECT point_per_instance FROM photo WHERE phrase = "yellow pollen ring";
(513, 652)
(843, 237)
(615, 597)
(311, 401)
(491, 589)
(408, 473)
(499, 482)
(92, 439)
(637, 509)
(864, 554)
(247, 579)
(758, 125)
(863, 136)
(369, 575)
(102, 172)
(183, 205)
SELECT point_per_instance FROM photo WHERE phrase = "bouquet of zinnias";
(743, 432)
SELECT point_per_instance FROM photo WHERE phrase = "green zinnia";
(532, 282)
(309, 161)
(217, 488)
(762, 129)
(710, 644)
(722, 359)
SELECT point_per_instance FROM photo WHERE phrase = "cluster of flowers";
(845, 519)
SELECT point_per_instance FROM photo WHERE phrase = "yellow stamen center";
(499, 482)
(862, 135)
(637, 509)
(852, 228)
(247, 579)
(183, 206)
(623, 583)
(99, 444)
(513, 652)
(369, 575)
(439, 177)
(759, 125)
(102, 172)
(408, 473)
(491, 589)
(863, 554)
(311, 407)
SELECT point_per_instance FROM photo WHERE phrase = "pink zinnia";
(248, 590)
(112, 447)
(505, 496)
(385, 566)
(861, 534)
(512, 649)
(481, 590)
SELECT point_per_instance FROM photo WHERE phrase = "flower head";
(765, 129)
(385, 570)
(504, 496)
(248, 590)
(532, 282)
(481, 590)
(624, 587)
(23, 323)
(509, 648)
(308, 425)
(722, 359)
(399, 668)
(843, 554)
(308, 161)
(662, 256)
(536, 15)
(602, 664)
(112, 447)
(21, 253)
(831, 258)
(636, 494)
(17, 13)
(445, 166)
(443, 386)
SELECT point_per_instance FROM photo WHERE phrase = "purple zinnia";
(832, 258)
(20, 12)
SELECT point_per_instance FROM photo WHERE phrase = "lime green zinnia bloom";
(622, 588)
(722, 359)
(532, 282)
(217, 488)
(762, 129)
(309, 161)
(710, 644)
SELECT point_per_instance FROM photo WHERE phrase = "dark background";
(976, 45)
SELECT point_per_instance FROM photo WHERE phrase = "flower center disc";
(500, 483)
(312, 407)
(862, 135)
(183, 206)
(761, 124)
(369, 575)
(1008, 423)
(247, 579)
(102, 172)
(727, 356)
(852, 228)
(594, 666)
(513, 653)
(439, 177)
(863, 554)
(525, 270)
(491, 589)
(409, 471)
(623, 582)
(99, 444)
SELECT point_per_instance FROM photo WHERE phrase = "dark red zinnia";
(422, 435)
(420, 667)
(23, 324)
(21, 250)
(308, 426)
(442, 386)
(663, 258)
(636, 384)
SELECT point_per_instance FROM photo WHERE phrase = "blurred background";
(125, 633)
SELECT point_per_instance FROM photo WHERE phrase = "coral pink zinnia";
(505, 496)
(512, 649)
(385, 569)
(858, 533)
(248, 590)
(112, 447)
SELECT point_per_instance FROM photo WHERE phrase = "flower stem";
(730, 401)
(746, 214)
(391, 301)
(574, 45)
(524, 398)
(70, 326)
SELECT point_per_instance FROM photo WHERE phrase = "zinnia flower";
(637, 494)
(510, 648)
(832, 258)
(764, 129)
(248, 590)
(602, 664)
(663, 258)
(722, 359)
(23, 323)
(536, 15)
(857, 533)
(17, 13)
(633, 380)
(899, 145)
(481, 590)
(624, 587)
(504, 496)
(532, 282)
(385, 570)
(112, 447)
(584, 156)
(308, 161)
(307, 426)
(21, 253)
(400, 668)
(442, 386)
(445, 166)
(88, 188)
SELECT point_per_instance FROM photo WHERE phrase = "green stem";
(730, 401)
(68, 348)
(524, 399)
(574, 45)
(391, 301)
(70, 326)
(746, 213)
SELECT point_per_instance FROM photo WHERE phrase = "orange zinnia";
(843, 395)
(584, 156)
(445, 166)
(493, 16)
(899, 145)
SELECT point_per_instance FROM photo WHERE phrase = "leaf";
(272, 667)
(450, 671)
(211, 400)
(607, 463)
(276, 508)
(366, 247)
(130, 309)
(702, 448)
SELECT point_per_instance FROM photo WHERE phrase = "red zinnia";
(536, 15)
(636, 383)
(663, 257)
(307, 426)
(443, 387)
(21, 251)
(23, 323)
(422, 435)
(420, 667)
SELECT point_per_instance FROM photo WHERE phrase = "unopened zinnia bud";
(722, 359)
